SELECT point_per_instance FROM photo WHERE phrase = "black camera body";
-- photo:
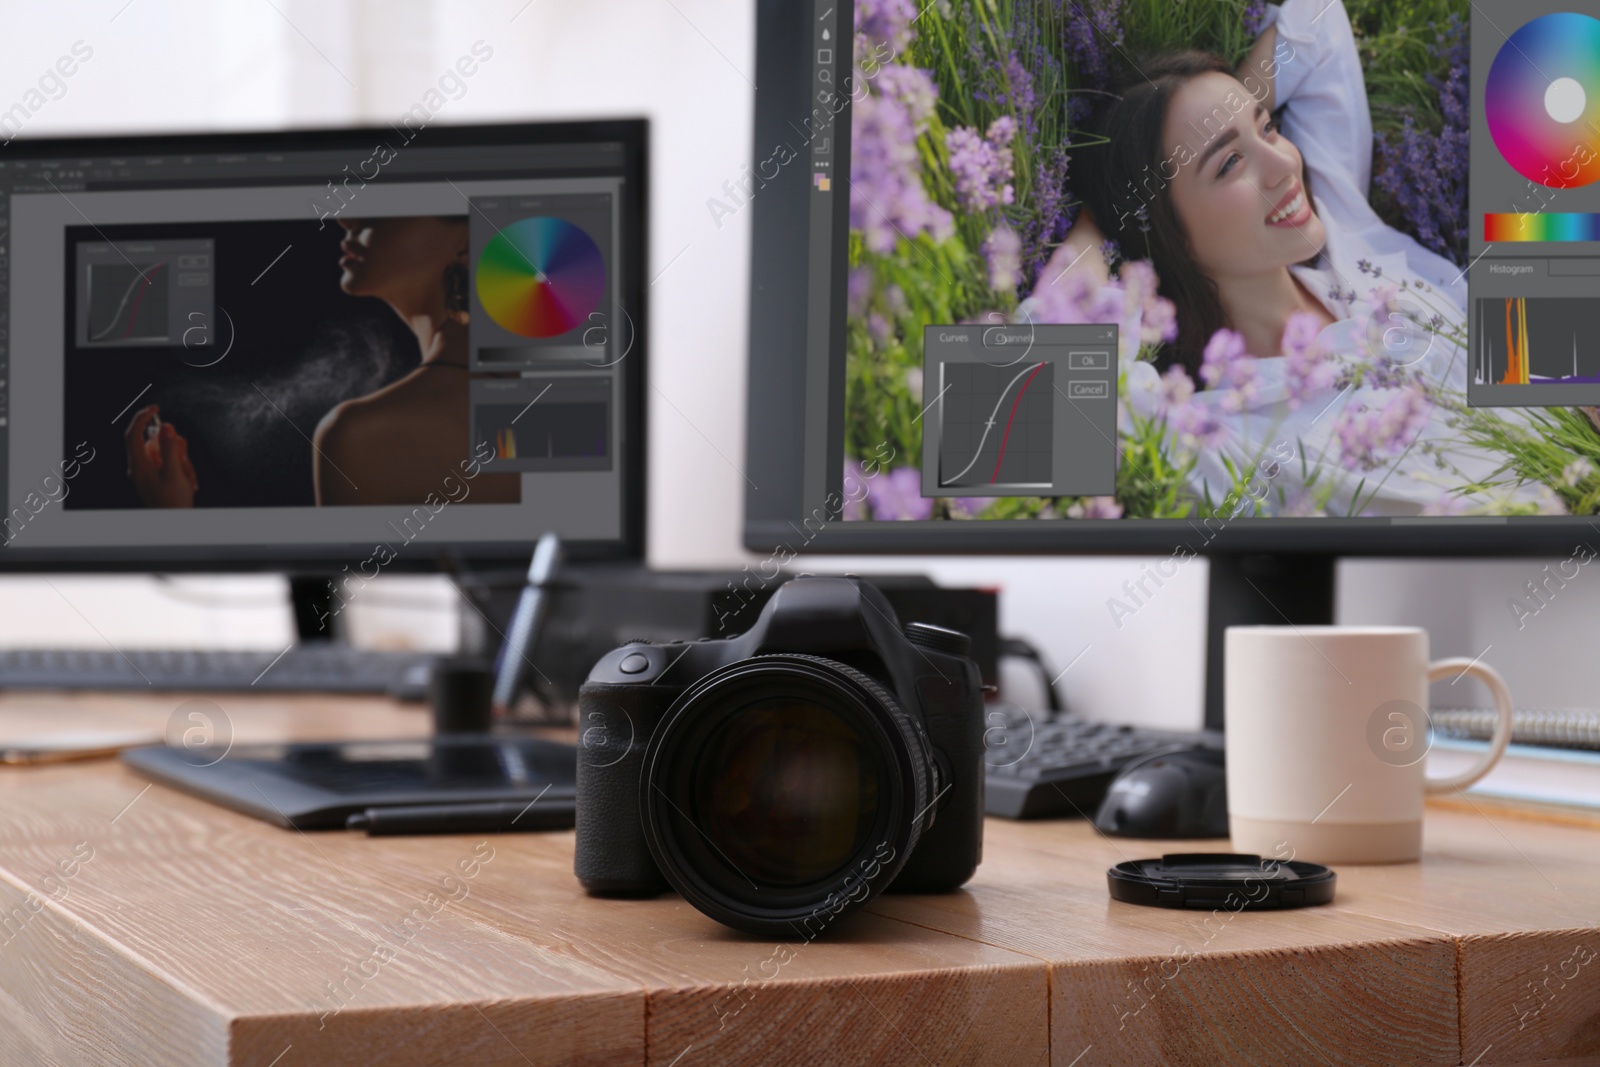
(783, 777)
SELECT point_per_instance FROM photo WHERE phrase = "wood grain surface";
(142, 926)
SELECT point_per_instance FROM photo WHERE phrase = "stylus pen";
(511, 669)
(494, 818)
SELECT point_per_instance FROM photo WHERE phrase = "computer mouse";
(1179, 793)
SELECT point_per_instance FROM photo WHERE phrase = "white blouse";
(1320, 85)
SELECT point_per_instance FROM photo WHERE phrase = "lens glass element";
(786, 791)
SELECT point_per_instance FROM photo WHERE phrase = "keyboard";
(303, 668)
(1039, 767)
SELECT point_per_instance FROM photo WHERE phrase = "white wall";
(688, 65)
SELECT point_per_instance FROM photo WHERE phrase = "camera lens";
(786, 790)
(781, 792)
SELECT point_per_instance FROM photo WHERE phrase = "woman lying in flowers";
(1297, 318)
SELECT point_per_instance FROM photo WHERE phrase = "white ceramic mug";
(1327, 732)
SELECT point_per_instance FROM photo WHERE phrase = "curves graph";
(540, 277)
(127, 302)
(990, 418)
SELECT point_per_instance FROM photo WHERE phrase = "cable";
(1018, 648)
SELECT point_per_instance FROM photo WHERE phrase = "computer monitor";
(337, 352)
(1255, 283)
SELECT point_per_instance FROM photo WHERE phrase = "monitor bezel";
(632, 133)
(776, 516)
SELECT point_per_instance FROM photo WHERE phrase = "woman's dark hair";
(1128, 193)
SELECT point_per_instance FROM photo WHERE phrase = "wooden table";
(138, 925)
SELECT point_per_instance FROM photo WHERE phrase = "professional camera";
(785, 777)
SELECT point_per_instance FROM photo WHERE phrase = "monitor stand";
(311, 597)
(1261, 589)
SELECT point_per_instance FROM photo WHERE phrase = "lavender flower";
(1002, 250)
(914, 89)
(1093, 35)
(1197, 426)
(1229, 370)
(884, 24)
(1367, 435)
(1176, 388)
(1158, 318)
(981, 166)
(879, 328)
(858, 290)
(1095, 507)
(1052, 215)
(1309, 370)
(1425, 173)
(897, 496)
(1132, 301)
(1255, 13)
(887, 197)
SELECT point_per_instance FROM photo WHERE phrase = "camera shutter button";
(926, 635)
(634, 663)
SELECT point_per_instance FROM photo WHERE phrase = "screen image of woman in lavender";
(1289, 282)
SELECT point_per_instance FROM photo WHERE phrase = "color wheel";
(1542, 100)
(540, 277)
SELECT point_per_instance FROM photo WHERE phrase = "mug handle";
(1502, 727)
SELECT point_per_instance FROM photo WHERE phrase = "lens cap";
(1221, 880)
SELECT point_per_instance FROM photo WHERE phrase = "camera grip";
(950, 850)
(615, 724)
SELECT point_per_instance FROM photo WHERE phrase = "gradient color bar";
(1553, 227)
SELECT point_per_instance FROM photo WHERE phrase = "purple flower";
(1176, 388)
(1093, 35)
(1229, 370)
(1309, 370)
(1019, 87)
(913, 88)
(1002, 250)
(1095, 507)
(887, 197)
(897, 496)
(1197, 426)
(1575, 473)
(981, 166)
(883, 24)
(1370, 433)
(1424, 172)
(1052, 216)
(879, 327)
(1255, 13)
(1132, 301)
(1158, 318)
(858, 290)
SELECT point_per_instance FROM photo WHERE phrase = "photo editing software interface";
(350, 344)
(1327, 261)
